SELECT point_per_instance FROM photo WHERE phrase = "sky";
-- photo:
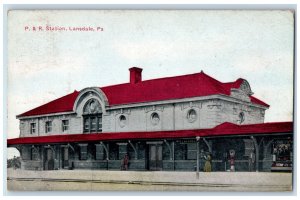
(227, 45)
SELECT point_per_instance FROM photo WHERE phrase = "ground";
(94, 180)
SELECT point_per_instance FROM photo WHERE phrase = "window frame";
(122, 121)
(34, 154)
(65, 126)
(48, 126)
(190, 113)
(83, 152)
(98, 123)
(32, 128)
(155, 118)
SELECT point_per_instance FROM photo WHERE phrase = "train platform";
(96, 180)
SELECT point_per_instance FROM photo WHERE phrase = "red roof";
(225, 129)
(178, 87)
(63, 104)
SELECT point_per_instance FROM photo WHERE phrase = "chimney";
(135, 75)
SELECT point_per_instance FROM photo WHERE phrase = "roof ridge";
(155, 79)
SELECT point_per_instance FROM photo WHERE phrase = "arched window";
(122, 121)
(192, 115)
(155, 118)
(92, 117)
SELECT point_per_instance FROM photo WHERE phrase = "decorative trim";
(215, 104)
(92, 106)
(154, 108)
(245, 87)
(158, 103)
(122, 111)
(90, 91)
(191, 104)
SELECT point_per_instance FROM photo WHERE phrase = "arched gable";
(86, 95)
(245, 87)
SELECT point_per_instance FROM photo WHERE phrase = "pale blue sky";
(227, 45)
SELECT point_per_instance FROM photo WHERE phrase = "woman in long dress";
(207, 166)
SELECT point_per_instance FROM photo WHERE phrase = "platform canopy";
(225, 129)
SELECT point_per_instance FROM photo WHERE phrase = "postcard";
(150, 100)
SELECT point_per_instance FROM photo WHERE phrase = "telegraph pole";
(197, 142)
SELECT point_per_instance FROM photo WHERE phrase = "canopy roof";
(225, 129)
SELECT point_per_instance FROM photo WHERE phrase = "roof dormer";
(245, 87)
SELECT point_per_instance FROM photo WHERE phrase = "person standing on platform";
(207, 165)
(125, 162)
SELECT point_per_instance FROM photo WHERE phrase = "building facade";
(170, 123)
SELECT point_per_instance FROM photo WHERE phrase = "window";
(32, 128)
(66, 153)
(86, 125)
(122, 121)
(99, 127)
(48, 127)
(92, 117)
(99, 152)
(83, 152)
(34, 154)
(191, 151)
(65, 125)
(191, 116)
(92, 123)
(155, 118)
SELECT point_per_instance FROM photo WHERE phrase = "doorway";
(49, 159)
(155, 157)
(65, 157)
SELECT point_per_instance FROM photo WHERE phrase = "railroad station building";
(169, 124)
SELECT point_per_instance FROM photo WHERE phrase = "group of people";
(207, 165)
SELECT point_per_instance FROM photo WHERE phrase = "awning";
(225, 129)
